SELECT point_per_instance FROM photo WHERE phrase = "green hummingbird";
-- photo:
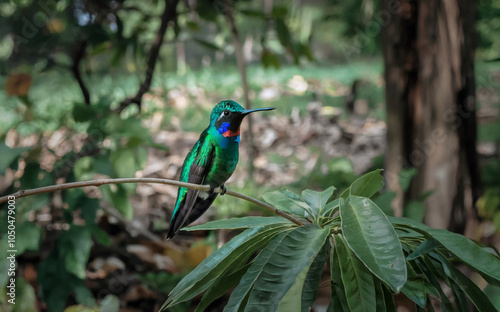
(211, 161)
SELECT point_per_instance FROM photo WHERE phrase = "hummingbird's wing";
(196, 166)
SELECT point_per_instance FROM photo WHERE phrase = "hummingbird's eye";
(226, 113)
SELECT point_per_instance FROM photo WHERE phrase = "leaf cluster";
(371, 257)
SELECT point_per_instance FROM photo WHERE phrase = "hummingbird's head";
(227, 116)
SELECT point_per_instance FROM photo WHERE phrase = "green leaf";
(463, 248)
(478, 298)
(83, 112)
(339, 300)
(27, 237)
(4, 263)
(206, 273)
(288, 201)
(357, 279)
(292, 299)
(313, 279)
(119, 199)
(426, 246)
(253, 13)
(283, 32)
(84, 296)
(331, 207)
(80, 308)
(277, 267)
(279, 11)
(239, 223)
(55, 282)
(366, 185)
(34, 176)
(425, 265)
(76, 199)
(207, 44)
(127, 161)
(305, 50)
(420, 281)
(89, 207)
(415, 290)
(160, 281)
(405, 177)
(110, 303)
(459, 296)
(373, 239)
(317, 200)
(75, 247)
(384, 202)
(385, 302)
(415, 210)
(268, 59)
(221, 286)
(9, 155)
(493, 292)
(130, 129)
(25, 297)
(101, 236)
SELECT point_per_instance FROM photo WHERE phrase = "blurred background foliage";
(68, 65)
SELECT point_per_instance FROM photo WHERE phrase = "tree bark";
(430, 99)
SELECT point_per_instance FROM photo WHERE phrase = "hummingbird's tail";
(181, 219)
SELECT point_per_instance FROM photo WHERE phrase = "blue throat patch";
(223, 128)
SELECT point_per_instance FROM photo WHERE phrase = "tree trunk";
(430, 99)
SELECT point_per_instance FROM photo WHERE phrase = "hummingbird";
(212, 160)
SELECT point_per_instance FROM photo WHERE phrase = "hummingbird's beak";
(248, 111)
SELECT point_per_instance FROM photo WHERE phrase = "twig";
(264, 205)
(169, 14)
(78, 55)
(206, 188)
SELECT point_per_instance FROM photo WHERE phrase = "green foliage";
(62, 273)
(57, 283)
(110, 303)
(372, 256)
(161, 281)
(277, 267)
(489, 203)
(9, 155)
(488, 23)
(238, 223)
(372, 238)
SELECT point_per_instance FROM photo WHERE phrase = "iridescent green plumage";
(212, 160)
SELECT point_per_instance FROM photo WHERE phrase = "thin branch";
(206, 188)
(78, 55)
(277, 211)
(169, 15)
